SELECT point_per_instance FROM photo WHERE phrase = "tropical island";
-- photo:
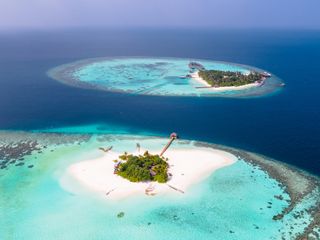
(217, 78)
(167, 77)
(214, 78)
(142, 168)
(199, 183)
(153, 171)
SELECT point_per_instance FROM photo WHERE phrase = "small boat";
(186, 76)
(204, 87)
(183, 77)
(266, 74)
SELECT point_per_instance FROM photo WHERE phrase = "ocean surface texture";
(46, 125)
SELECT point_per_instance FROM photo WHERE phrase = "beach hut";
(173, 135)
(116, 168)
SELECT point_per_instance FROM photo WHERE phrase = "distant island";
(142, 168)
(217, 78)
(167, 77)
(220, 78)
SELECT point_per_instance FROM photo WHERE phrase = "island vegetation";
(146, 167)
(120, 215)
(217, 78)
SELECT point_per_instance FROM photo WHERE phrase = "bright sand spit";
(195, 76)
(187, 166)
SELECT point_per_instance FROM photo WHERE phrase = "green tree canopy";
(146, 167)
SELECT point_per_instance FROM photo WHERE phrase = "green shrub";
(142, 168)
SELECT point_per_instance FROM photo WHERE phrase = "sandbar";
(187, 167)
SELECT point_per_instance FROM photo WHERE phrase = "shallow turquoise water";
(153, 76)
(39, 102)
(34, 206)
(105, 128)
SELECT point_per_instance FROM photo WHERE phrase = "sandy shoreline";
(195, 76)
(187, 166)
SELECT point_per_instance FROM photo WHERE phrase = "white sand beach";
(187, 166)
(195, 76)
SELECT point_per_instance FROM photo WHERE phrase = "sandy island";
(195, 76)
(187, 166)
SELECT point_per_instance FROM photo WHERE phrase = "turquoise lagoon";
(235, 202)
(153, 76)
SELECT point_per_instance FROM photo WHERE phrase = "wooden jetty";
(173, 136)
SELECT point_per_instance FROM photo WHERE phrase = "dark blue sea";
(284, 126)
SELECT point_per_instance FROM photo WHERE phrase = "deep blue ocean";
(284, 126)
